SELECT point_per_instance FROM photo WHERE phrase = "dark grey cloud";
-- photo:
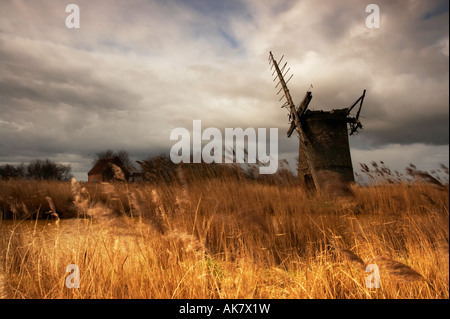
(430, 129)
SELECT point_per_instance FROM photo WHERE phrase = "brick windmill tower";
(324, 161)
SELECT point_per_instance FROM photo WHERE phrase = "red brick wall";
(95, 178)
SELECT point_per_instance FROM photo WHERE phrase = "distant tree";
(48, 170)
(120, 158)
(158, 168)
(8, 171)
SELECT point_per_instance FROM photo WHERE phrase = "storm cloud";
(137, 69)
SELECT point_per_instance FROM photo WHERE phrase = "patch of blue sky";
(216, 7)
(281, 6)
(221, 12)
(441, 8)
(230, 39)
(112, 45)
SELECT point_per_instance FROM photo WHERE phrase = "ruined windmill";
(324, 160)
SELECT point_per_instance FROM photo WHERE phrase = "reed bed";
(223, 237)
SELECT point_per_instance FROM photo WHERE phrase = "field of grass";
(223, 237)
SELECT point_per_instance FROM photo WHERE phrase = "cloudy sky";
(137, 69)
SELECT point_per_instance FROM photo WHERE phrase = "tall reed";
(229, 237)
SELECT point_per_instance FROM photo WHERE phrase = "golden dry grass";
(226, 238)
